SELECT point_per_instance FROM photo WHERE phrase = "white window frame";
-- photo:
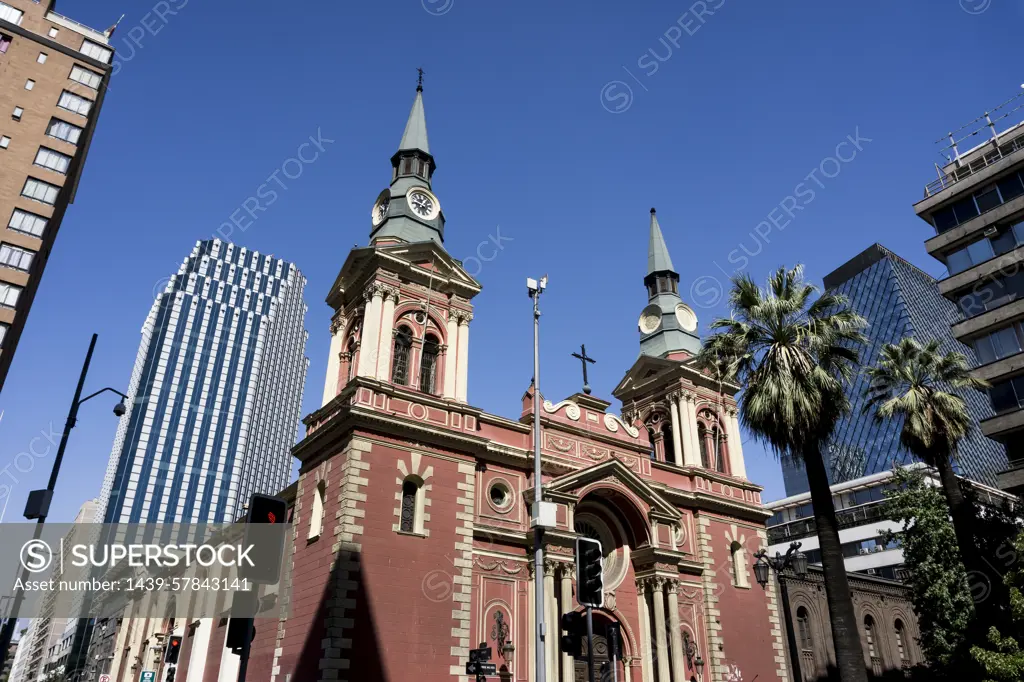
(17, 113)
(30, 84)
(35, 221)
(73, 138)
(53, 160)
(15, 257)
(37, 185)
(11, 14)
(53, 31)
(41, 59)
(5, 142)
(98, 52)
(69, 101)
(3, 333)
(86, 77)
(9, 294)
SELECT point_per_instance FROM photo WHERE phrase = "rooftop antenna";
(986, 121)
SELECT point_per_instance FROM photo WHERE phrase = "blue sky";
(552, 130)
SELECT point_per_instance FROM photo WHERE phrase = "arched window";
(900, 640)
(739, 565)
(650, 435)
(716, 438)
(869, 635)
(803, 629)
(670, 448)
(400, 358)
(316, 514)
(410, 491)
(351, 359)
(428, 364)
(702, 440)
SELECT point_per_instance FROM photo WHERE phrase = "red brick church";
(413, 542)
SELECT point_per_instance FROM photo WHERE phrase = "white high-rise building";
(215, 394)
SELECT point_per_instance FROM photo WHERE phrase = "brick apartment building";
(53, 75)
(413, 539)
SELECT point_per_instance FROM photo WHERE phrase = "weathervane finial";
(419, 82)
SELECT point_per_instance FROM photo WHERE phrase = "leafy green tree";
(793, 353)
(1003, 658)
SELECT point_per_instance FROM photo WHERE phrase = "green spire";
(658, 259)
(415, 136)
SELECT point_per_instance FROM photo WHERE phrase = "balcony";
(1003, 423)
(847, 518)
(997, 317)
(1006, 263)
(997, 154)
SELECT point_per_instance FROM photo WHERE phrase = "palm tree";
(793, 354)
(912, 382)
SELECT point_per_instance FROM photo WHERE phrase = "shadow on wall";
(916, 673)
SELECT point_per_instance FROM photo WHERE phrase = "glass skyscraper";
(898, 300)
(215, 392)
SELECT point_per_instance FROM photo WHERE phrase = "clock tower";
(668, 326)
(408, 211)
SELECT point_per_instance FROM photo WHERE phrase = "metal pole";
(590, 642)
(538, 530)
(12, 621)
(243, 658)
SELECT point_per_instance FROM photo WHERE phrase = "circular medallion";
(380, 207)
(686, 317)
(650, 319)
(423, 203)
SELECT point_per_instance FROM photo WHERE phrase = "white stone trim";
(463, 565)
(774, 617)
(423, 489)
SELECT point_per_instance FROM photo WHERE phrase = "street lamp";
(690, 649)
(38, 505)
(794, 559)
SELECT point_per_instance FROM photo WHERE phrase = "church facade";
(411, 514)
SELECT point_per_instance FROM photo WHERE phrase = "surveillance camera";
(120, 409)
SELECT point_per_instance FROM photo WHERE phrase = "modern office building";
(215, 392)
(862, 522)
(897, 299)
(976, 208)
(55, 74)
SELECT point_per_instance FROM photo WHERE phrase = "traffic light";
(170, 674)
(173, 649)
(575, 628)
(267, 545)
(589, 573)
(239, 630)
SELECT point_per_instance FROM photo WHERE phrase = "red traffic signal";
(173, 649)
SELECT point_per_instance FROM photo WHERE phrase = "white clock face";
(424, 204)
(380, 208)
(686, 317)
(650, 319)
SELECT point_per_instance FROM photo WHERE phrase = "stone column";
(660, 628)
(387, 329)
(370, 336)
(568, 664)
(334, 359)
(736, 463)
(646, 659)
(450, 355)
(675, 631)
(462, 376)
(677, 443)
(550, 621)
(690, 416)
(679, 402)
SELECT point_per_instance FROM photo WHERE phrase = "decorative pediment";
(645, 370)
(617, 472)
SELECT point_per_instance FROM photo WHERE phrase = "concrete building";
(411, 508)
(976, 208)
(55, 75)
(862, 522)
(897, 299)
(215, 393)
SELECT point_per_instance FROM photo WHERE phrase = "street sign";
(148, 676)
(104, 678)
(481, 669)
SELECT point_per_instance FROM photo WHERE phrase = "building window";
(53, 31)
(53, 160)
(17, 113)
(900, 639)
(316, 515)
(30, 84)
(803, 628)
(716, 439)
(96, 51)
(702, 440)
(29, 223)
(3, 333)
(400, 358)
(5, 142)
(40, 191)
(41, 59)
(1007, 396)
(72, 102)
(85, 77)
(869, 635)
(62, 130)
(428, 365)
(351, 360)
(412, 506)
(8, 13)
(999, 344)
(14, 257)
(9, 295)
(739, 565)
(669, 447)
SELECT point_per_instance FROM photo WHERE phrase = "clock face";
(424, 204)
(650, 319)
(686, 317)
(380, 207)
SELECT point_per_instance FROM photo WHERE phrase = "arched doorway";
(602, 654)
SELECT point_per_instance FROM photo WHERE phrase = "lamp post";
(693, 657)
(535, 289)
(38, 505)
(796, 560)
